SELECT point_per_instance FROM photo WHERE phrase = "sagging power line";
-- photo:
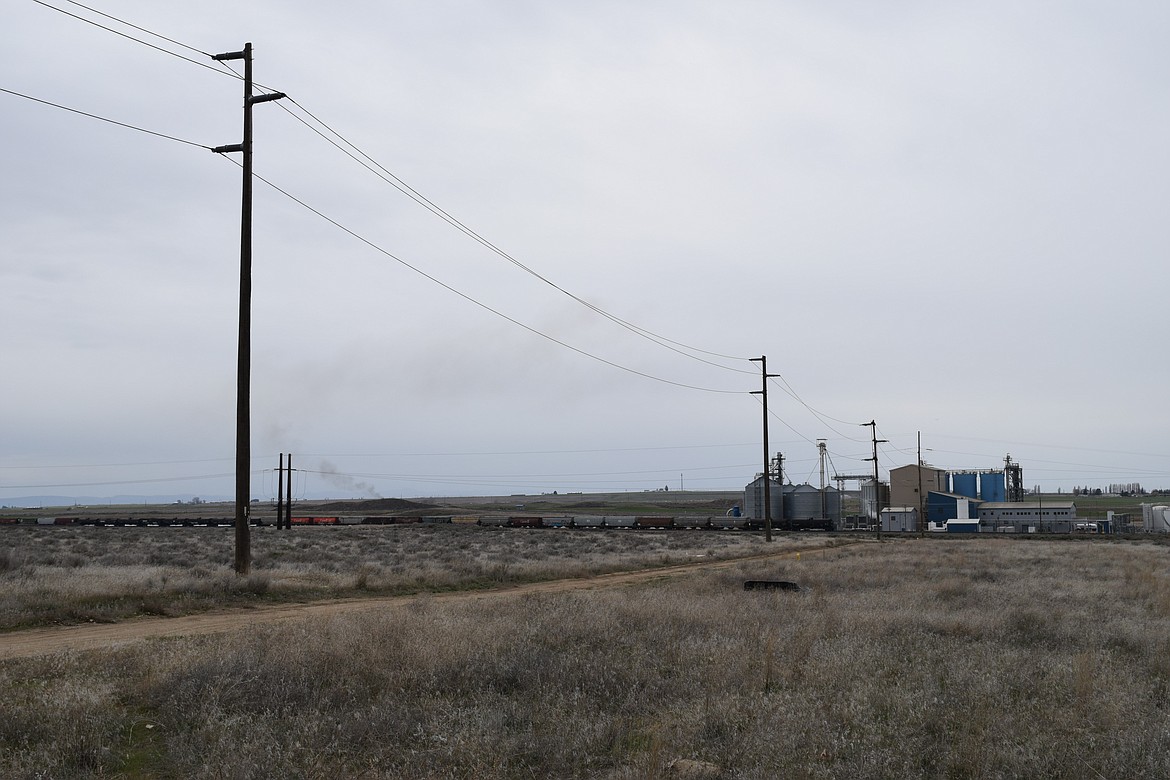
(104, 119)
(375, 167)
(371, 164)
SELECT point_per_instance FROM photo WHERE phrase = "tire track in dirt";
(29, 643)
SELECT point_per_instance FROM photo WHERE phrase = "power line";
(389, 177)
(379, 170)
(1049, 446)
(821, 416)
(119, 482)
(102, 118)
(495, 454)
(785, 423)
(372, 165)
(484, 482)
(521, 452)
(128, 24)
(484, 306)
(136, 40)
(571, 475)
(118, 465)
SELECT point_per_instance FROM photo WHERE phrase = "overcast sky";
(946, 217)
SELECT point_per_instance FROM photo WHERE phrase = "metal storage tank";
(802, 502)
(991, 486)
(753, 499)
(874, 499)
(1160, 520)
(964, 484)
(832, 503)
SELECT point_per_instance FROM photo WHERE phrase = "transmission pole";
(243, 559)
(877, 488)
(763, 361)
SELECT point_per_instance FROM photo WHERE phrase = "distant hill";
(373, 505)
(96, 501)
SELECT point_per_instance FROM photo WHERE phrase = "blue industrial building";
(941, 507)
(991, 486)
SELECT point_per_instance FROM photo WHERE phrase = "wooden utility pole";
(280, 494)
(283, 484)
(921, 497)
(288, 495)
(243, 557)
(877, 488)
(763, 361)
(822, 451)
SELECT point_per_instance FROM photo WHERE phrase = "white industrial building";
(1028, 516)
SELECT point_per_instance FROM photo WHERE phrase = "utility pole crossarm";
(267, 97)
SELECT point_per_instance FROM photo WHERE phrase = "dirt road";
(69, 639)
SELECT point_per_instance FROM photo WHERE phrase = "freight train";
(632, 522)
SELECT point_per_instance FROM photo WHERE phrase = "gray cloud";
(945, 218)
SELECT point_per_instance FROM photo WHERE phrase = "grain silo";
(753, 499)
(806, 501)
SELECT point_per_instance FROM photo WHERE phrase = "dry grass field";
(80, 574)
(911, 658)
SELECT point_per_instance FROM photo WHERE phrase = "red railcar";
(525, 521)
